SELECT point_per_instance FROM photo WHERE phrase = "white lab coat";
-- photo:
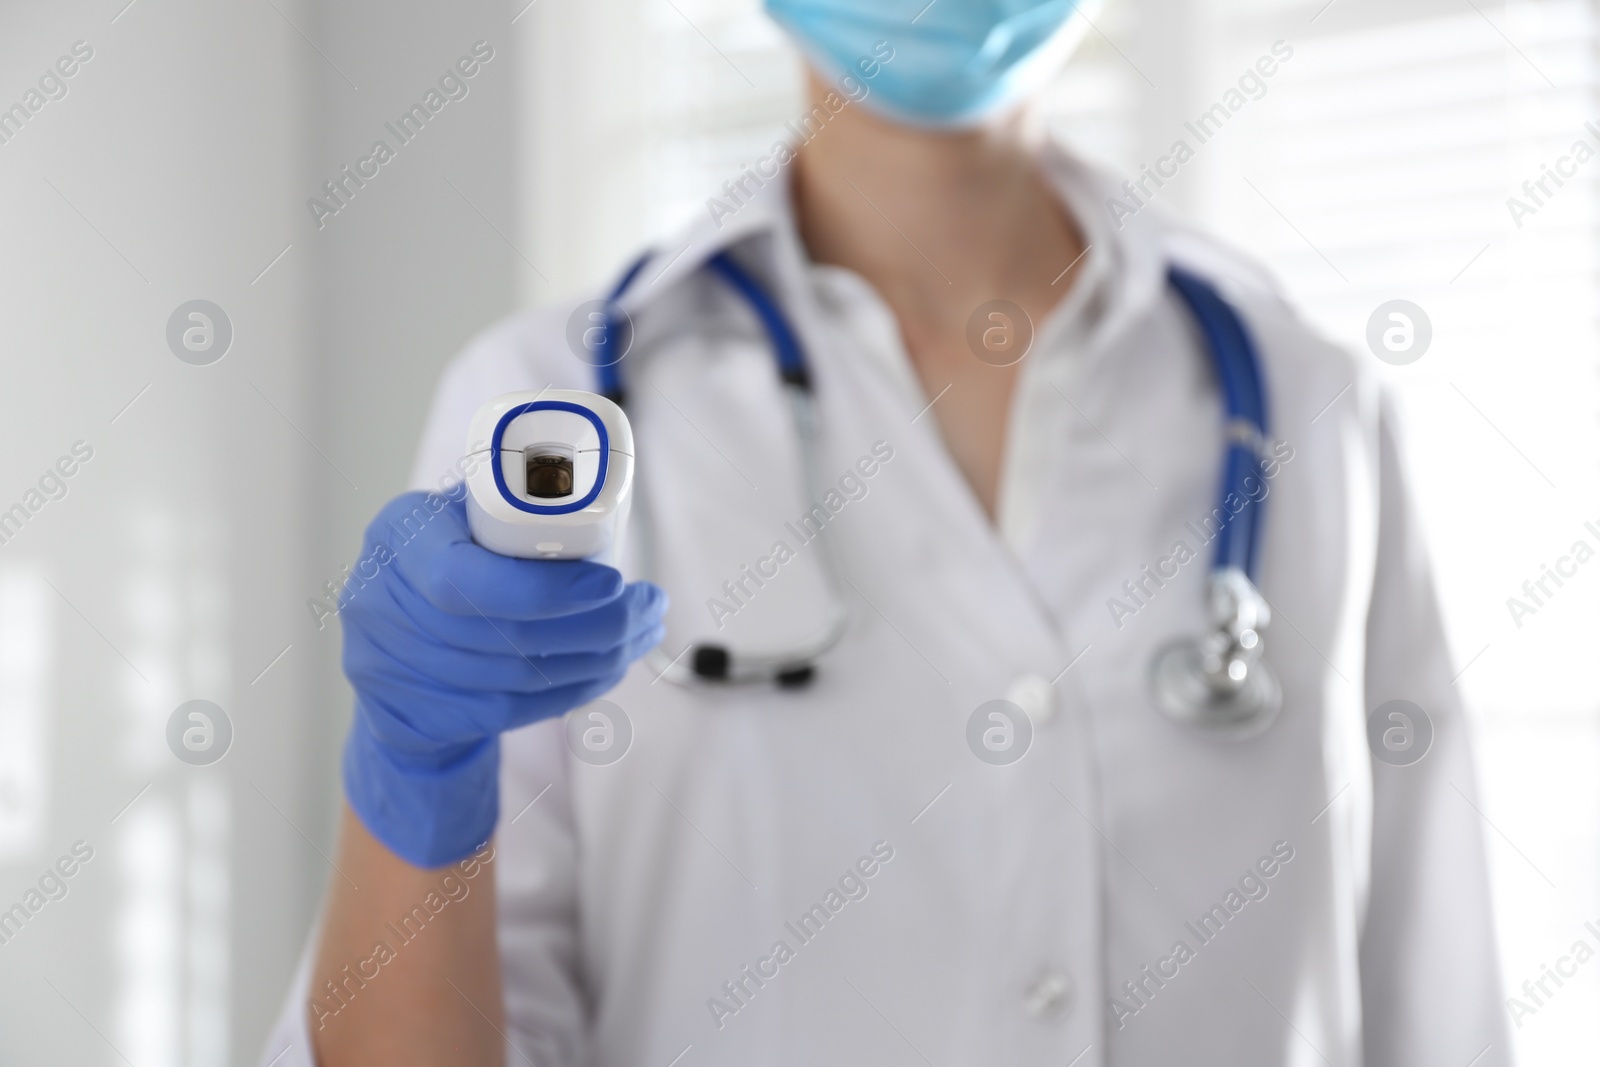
(1021, 905)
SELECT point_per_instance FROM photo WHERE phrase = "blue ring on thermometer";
(549, 405)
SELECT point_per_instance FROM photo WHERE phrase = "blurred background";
(227, 480)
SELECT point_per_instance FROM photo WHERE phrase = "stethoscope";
(1216, 680)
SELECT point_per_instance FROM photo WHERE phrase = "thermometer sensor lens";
(549, 473)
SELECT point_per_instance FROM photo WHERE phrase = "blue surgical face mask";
(950, 63)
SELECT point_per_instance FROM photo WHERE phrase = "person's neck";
(938, 222)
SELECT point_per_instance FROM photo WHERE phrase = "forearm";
(407, 971)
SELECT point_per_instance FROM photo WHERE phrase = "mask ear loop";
(1003, 37)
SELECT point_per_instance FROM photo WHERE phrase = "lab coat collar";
(759, 214)
(1131, 250)
(736, 216)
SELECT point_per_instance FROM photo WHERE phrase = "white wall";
(178, 564)
(165, 174)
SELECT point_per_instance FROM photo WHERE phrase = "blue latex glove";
(451, 645)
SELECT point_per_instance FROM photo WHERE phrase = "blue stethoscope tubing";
(790, 667)
(1238, 374)
(1216, 680)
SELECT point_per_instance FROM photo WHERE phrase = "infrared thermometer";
(554, 478)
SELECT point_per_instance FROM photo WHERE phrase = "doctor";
(872, 867)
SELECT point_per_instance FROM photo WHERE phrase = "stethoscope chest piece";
(1181, 690)
(1217, 681)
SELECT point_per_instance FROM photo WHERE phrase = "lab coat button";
(1047, 996)
(1034, 695)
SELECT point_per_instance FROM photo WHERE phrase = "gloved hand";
(451, 645)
